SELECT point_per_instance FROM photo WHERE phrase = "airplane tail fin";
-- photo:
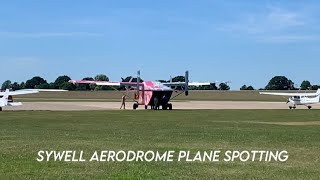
(186, 86)
(4, 99)
(6, 95)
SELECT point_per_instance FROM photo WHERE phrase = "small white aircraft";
(6, 98)
(305, 99)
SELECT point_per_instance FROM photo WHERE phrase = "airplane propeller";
(288, 101)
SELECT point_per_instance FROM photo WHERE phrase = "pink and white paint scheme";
(149, 93)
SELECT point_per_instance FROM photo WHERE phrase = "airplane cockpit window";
(296, 97)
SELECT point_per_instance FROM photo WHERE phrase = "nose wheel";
(309, 107)
(135, 106)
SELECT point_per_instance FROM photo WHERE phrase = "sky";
(245, 42)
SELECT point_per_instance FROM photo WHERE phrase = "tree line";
(62, 82)
(283, 83)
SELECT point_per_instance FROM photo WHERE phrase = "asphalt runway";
(81, 106)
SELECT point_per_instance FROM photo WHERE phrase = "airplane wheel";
(309, 107)
(290, 107)
(0, 108)
(170, 106)
(294, 107)
(145, 107)
(135, 106)
(164, 107)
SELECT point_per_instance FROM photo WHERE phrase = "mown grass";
(105, 96)
(24, 133)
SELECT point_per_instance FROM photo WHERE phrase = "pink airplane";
(150, 93)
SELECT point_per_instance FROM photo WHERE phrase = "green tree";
(315, 87)
(101, 77)
(60, 81)
(84, 87)
(244, 87)
(6, 85)
(22, 85)
(223, 86)
(43, 86)
(178, 79)
(250, 88)
(52, 85)
(67, 86)
(305, 85)
(280, 83)
(16, 86)
(30, 84)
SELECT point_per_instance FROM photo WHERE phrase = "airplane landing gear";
(309, 107)
(292, 107)
(0, 108)
(167, 107)
(135, 106)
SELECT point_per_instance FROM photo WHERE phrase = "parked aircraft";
(305, 99)
(150, 93)
(6, 98)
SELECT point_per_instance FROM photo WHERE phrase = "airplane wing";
(20, 92)
(31, 91)
(47, 90)
(189, 84)
(289, 94)
(104, 83)
(200, 84)
(174, 84)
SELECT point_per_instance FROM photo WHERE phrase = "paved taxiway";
(74, 106)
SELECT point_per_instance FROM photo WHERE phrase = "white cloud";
(46, 34)
(19, 61)
(276, 19)
(274, 25)
(282, 18)
(289, 38)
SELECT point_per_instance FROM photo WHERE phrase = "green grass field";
(105, 96)
(24, 133)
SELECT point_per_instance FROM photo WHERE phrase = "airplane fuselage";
(10, 98)
(150, 91)
(304, 100)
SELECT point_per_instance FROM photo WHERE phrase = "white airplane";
(6, 98)
(305, 99)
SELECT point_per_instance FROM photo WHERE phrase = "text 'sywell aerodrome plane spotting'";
(6, 98)
(305, 99)
(150, 93)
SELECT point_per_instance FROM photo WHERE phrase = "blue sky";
(246, 42)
